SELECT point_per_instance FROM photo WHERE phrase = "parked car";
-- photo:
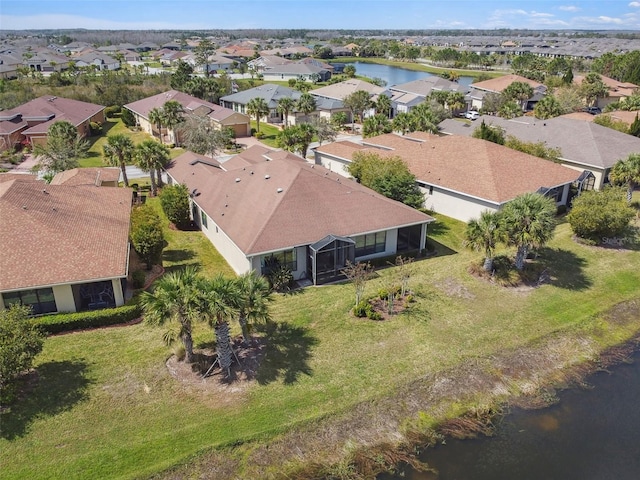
(592, 110)
(471, 115)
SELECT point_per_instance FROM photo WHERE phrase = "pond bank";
(373, 436)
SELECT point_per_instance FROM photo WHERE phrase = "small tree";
(489, 133)
(358, 273)
(627, 172)
(482, 235)
(596, 214)
(350, 71)
(175, 204)
(20, 342)
(258, 108)
(403, 267)
(63, 148)
(339, 119)
(128, 118)
(146, 234)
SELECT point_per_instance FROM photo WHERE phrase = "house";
(66, 247)
(46, 61)
(97, 176)
(460, 176)
(266, 206)
(296, 71)
(337, 92)
(31, 121)
(101, 61)
(220, 117)
(407, 95)
(475, 97)
(617, 90)
(583, 145)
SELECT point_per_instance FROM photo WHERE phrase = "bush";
(65, 322)
(112, 111)
(175, 204)
(259, 135)
(598, 214)
(361, 309)
(20, 342)
(146, 234)
(138, 279)
(280, 278)
(95, 128)
(127, 118)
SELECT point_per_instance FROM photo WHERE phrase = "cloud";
(634, 4)
(572, 8)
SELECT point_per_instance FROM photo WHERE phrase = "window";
(555, 194)
(40, 300)
(371, 243)
(203, 217)
(286, 259)
(409, 238)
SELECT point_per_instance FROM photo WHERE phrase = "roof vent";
(45, 192)
(251, 173)
(237, 179)
(24, 207)
(267, 177)
(279, 190)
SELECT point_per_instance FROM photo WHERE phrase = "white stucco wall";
(598, 173)
(336, 165)
(455, 205)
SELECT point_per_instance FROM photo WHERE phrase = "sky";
(319, 14)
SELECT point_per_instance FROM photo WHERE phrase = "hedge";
(65, 322)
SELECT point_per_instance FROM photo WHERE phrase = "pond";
(591, 434)
(396, 75)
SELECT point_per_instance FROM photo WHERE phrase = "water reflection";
(394, 75)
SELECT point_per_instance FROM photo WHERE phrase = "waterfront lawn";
(105, 405)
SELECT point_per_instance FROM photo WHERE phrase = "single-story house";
(214, 63)
(617, 90)
(32, 120)
(101, 61)
(583, 145)
(98, 176)
(460, 176)
(475, 97)
(337, 92)
(220, 116)
(295, 71)
(66, 247)
(407, 95)
(263, 207)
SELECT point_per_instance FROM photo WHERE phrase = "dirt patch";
(454, 288)
(225, 391)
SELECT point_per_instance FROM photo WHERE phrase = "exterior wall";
(391, 246)
(455, 205)
(599, 174)
(64, 298)
(117, 291)
(301, 262)
(334, 164)
(11, 140)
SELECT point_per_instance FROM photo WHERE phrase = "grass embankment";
(105, 405)
(419, 67)
(113, 126)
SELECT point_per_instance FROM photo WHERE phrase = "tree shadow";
(563, 268)
(287, 353)
(437, 249)
(437, 228)
(175, 256)
(54, 388)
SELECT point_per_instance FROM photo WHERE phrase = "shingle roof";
(189, 103)
(270, 92)
(424, 86)
(87, 176)
(340, 90)
(498, 84)
(467, 165)
(62, 234)
(584, 142)
(312, 202)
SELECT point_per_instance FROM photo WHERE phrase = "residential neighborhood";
(328, 249)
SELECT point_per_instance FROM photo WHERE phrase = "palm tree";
(285, 106)
(403, 123)
(175, 298)
(258, 108)
(151, 157)
(155, 118)
(383, 106)
(527, 222)
(306, 104)
(627, 172)
(519, 91)
(424, 119)
(482, 234)
(118, 151)
(172, 112)
(376, 125)
(255, 295)
(220, 296)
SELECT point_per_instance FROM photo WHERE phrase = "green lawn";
(270, 133)
(105, 405)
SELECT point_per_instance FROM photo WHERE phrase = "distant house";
(46, 61)
(337, 92)
(305, 71)
(219, 116)
(617, 90)
(66, 247)
(264, 207)
(460, 176)
(31, 121)
(406, 96)
(101, 61)
(583, 145)
(478, 90)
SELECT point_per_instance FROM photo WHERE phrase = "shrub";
(280, 278)
(127, 118)
(362, 308)
(597, 214)
(138, 279)
(64, 322)
(259, 135)
(95, 128)
(146, 234)
(175, 204)
(20, 342)
(112, 111)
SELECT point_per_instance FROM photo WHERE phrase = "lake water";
(590, 434)
(396, 75)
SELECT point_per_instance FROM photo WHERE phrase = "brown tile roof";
(616, 88)
(625, 116)
(189, 103)
(500, 83)
(470, 166)
(284, 202)
(48, 109)
(61, 234)
(21, 177)
(87, 176)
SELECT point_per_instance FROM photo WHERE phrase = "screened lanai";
(328, 257)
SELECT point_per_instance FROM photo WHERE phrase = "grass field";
(105, 405)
